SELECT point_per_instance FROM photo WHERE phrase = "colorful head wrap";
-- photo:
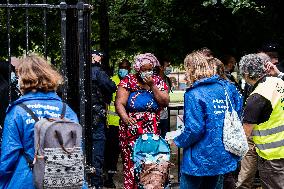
(143, 59)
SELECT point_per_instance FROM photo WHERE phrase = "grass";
(176, 96)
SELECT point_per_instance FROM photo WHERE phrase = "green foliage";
(174, 28)
(36, 31)
(167, 28)
(235, 5)
(138, 26)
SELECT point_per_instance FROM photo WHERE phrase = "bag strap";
(24, 106)
(63, 110)
(28, 110)
(29, 161)
(228, 99)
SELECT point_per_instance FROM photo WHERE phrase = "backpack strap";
(22, 105)
(28, 110)
(63, 110)
(29, 161)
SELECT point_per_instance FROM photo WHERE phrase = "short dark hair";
(164, 60)
(99, 53)
(124, 61)
(226, 58)
(269, 47)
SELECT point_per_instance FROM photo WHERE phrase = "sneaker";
(109, 184)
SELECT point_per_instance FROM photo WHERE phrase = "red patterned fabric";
(147, 122)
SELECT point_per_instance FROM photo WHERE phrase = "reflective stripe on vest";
(269, 136)
(112, 116)
(111, 110)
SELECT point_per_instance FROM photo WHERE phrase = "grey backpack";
(58, 159)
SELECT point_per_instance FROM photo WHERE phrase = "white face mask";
(143, 75)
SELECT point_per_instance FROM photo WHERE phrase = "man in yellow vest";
(264, 120)
(112, 142)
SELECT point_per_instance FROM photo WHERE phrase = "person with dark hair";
(229, 62)
(4, 92)
(163, 71)
(271, 49)
(4, 96)
(102, 89)
(112, 148)
(15, 91)
(4, 89)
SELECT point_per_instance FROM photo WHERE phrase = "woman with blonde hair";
(204, 155)
(38, 82)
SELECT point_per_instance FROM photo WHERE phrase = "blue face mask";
(122, 72)
(168, 71)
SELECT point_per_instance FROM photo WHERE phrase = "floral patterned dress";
(141, 106)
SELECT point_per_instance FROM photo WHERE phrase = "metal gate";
(26, 24)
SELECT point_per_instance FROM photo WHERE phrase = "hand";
(149, 81)
(170, 141)
(129, 121)
(172, 144)
(271, 69)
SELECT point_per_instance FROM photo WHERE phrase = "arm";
(162, 97)
(193, 121)
(120, 103)
(272, 69)
(257, 110)
(11, 146)
(248, 129)
(106, 83)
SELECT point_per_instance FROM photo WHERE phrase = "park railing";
(61, 32)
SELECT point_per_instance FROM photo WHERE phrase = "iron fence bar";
(82, 61)
(48, 6)
(88, 87)
(9, 49)
(44, 31)
(27, 28)
(82, 67)
(63, 8)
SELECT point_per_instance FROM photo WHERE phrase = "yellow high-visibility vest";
(112, 116)
(269, 136)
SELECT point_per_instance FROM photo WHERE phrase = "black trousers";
(112, 149)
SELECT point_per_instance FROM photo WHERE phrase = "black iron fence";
(26, 25)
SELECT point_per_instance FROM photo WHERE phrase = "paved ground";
(119, 178)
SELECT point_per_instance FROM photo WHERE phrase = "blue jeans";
(98, 144)
(198, 182)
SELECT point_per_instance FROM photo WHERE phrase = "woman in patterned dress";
(139, 100)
